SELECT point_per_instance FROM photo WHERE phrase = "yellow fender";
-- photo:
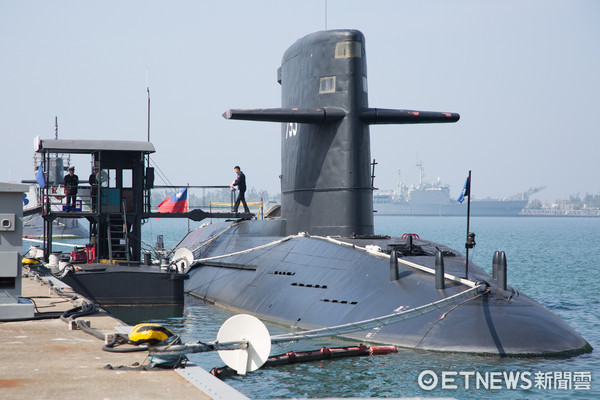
(149, 333)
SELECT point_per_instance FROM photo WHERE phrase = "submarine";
(319, 265)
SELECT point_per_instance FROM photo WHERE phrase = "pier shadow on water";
(133, 315)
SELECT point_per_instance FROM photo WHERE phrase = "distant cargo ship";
(425, 199)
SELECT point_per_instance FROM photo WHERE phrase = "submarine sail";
(319, 264)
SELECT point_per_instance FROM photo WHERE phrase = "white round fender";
(244, 328)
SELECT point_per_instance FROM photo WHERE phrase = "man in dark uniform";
(240, 182)
(71, 181)
(93, 180)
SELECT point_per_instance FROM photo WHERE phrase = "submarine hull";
(327, 183)
(309, 282)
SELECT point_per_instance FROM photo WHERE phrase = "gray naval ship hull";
(62, 228)
(479, 208)
(310, 282)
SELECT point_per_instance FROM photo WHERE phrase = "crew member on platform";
(71, 182)
(94, 180)
(240, 182)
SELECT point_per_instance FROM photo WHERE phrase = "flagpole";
(147, 191)
(187, 196)
(467, 243)
(148, 93)
(45, 204)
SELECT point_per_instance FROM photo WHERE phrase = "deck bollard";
(160, 244)
(439, 271)
(164, 263)
(409, 243)
(393, 266)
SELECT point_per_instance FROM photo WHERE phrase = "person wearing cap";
(71, 182)
(240, 182)
(93, 181)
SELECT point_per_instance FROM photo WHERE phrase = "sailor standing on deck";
(240, 182)
(93, 180)
(71, 181)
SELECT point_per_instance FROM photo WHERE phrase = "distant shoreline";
(560, 213)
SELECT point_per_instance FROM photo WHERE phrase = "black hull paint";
(307, 283)
(128, 286)
(327, 189)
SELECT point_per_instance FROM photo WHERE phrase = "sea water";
(556, 261)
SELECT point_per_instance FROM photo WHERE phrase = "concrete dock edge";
(44, 359)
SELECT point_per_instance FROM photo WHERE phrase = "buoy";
(149, 333)
(325, 353)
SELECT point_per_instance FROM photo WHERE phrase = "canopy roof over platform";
(90, 146)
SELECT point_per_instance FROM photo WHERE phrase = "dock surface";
(44, 359)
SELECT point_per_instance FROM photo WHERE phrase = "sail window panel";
(348, 49)
(327, 84)
(365, 86)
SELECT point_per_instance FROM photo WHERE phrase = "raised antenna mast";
(147, 191)
(148, 92)
(56, 128)
(421, 170)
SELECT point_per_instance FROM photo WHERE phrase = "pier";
(44, 359)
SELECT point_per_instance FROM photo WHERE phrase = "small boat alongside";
(111, 268)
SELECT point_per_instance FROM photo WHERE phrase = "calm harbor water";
(554, 260)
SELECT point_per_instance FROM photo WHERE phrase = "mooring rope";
(367, 249)
(338, 330)
(384, 255)
(475, 289)
(237, 253)
(381, 321)
(211, 239)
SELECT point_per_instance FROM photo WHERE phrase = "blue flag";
(39, 176)
(466, 191)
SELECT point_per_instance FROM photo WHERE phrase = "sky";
(523, 74)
